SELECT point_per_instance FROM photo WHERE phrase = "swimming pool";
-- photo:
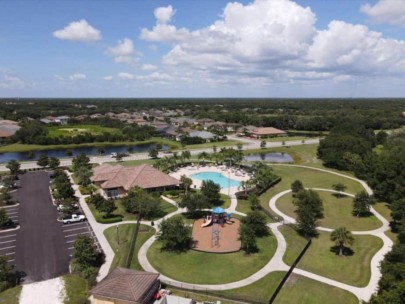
(217, 178)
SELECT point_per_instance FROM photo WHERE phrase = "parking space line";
(12, 212)
(7, 236)
(10, 253)
(11, 260)
(77, 234)
(7, 247)
(70, 248)
(8, 241)
(71, 241)
(73, 224)
(10, 216)
(74, 229)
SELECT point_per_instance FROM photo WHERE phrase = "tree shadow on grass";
(346, 250)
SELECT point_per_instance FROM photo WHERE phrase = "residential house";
(126, 286)
(116, 181)
(8, 128)
(203, 134)
(63, 120)
(267, 132)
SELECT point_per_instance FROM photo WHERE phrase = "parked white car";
(74, 218)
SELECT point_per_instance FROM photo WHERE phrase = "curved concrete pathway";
(276, 263)
(363, 293)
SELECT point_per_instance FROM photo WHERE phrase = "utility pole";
(118, 235)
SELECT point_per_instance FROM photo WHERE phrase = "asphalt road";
(41, 250)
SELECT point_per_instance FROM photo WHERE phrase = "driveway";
(41, 250)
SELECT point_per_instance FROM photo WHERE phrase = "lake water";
(270, 157)
(63, 153)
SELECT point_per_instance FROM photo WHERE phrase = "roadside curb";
(12, 229)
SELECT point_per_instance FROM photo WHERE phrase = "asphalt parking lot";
(72, 231)
(42, 247)
(41, 252)
(8, 242)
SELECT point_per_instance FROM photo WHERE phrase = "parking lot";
(72, 231)
(8, 239)
(8, 242)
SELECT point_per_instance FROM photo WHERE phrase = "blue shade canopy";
(218, 210)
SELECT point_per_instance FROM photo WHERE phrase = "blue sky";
(196, 48)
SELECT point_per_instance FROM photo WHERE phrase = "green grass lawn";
(11, 295)
(125, 234)
(218, 144)
(164, 207)
(286, 138)
(25, 147)
(319, 259)
(309, 177)
(73, 130)
(210, 268)
(76, 289)
(297, 289)
(337, 212)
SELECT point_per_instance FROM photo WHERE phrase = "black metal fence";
(287, 275)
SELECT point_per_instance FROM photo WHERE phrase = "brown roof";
(125, 285)
(268, 131)
(144, 176)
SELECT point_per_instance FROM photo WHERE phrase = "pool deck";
(233, 173)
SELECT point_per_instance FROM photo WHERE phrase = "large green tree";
(13, 166)
(361, 204)
(247, 238)
(43, 161)
(309, 199)
(141, 202)
(194, 202)
(186, 183)
(211, 191)
(257, 221)
(174, 234)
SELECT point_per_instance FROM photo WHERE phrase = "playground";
(216, 233)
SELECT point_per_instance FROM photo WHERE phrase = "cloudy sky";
(202, 48)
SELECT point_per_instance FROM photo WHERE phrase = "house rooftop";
(143, 176)
(125, 285)
(268, 131)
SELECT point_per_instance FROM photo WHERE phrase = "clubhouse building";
(116, 180)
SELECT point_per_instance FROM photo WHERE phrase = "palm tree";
(203, 155)
(341, 236)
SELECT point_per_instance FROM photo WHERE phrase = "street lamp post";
(118, 235)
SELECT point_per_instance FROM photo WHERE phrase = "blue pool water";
(217, 178)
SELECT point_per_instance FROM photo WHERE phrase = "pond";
(270, 157)
(64, 153)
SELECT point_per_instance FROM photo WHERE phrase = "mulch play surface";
(227, 241)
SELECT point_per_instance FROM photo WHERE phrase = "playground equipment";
(208, 221)
(215, 235)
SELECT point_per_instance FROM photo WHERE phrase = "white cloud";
(386, 11)
(78, 31)
(272, 41)
(126, 59)
(108, 78)
(125, 76)
(164, 14)
(77, 76)
(124, 47)
(59, 77)
(11, 82)
(149, 67)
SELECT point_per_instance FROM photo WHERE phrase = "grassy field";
(76, 289)
(26, 148)
(56, 131)
(297, 289)
(165, 208)
(351, 269)
(11, 295)
(286, 138)
(125, 234)
(309, 177)
(209, 268)
(337, 212)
